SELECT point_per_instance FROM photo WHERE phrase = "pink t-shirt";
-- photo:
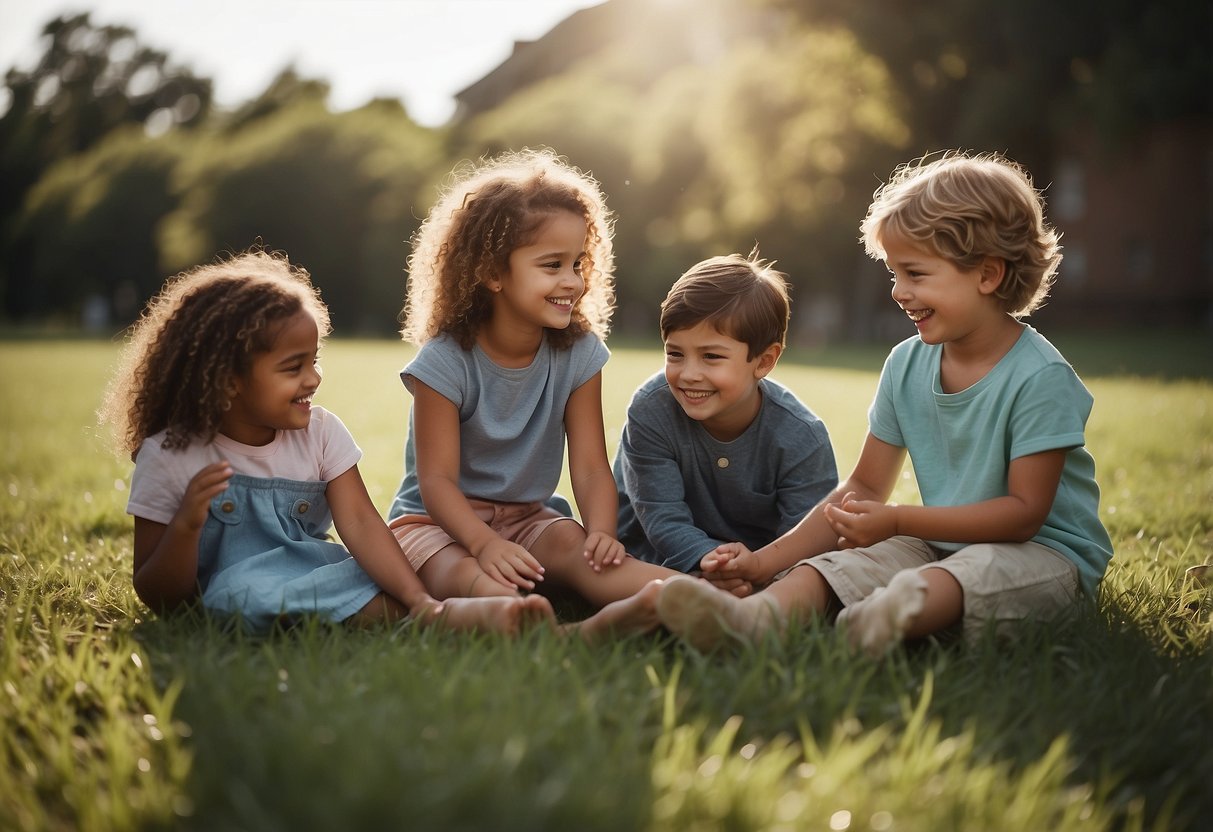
(320, 452)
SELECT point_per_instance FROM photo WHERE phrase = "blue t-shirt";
(961, 444)
(682, 492)
(511, 420)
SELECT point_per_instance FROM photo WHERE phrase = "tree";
(89, 82)
(89, 227)
(338, 193)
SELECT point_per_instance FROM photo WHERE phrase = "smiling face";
(713, 380)
(276, 392)
(947, 303)
(544, 280)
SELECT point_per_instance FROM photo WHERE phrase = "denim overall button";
(227, 507)
(723, 462)
(304, 505)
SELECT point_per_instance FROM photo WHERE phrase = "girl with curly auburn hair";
(238, 477)
(488, 211)
(510, 296)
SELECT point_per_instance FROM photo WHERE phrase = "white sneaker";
(704, 616)
(879, 621)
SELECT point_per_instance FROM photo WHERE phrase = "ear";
(992, 271)
(767, 360)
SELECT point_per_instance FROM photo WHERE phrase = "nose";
(900, 291)
(692, 370)
(316, 376)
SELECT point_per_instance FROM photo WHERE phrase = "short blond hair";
(966, 208)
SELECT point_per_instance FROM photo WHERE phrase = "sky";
(420, 51)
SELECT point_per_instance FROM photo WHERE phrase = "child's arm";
(872, 479)
(364, 533)
(594, 486)
(166, 556)
(1031, 485)
(436, 423)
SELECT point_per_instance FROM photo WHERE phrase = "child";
(992, 417)
(236, 470)
(713, 450)
(510, 292)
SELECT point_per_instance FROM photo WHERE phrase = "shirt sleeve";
(157, 486)
(339, 452)
(1050, 412)
(811, 477)
(882, 415)
(653, 481)
(594, 357)
(438, 366)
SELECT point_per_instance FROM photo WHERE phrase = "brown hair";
(964, 209)
(197, 335)
(743, 297)
(485, 213)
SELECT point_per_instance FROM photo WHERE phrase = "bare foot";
(628, 616)
(706, 617)
(879, 621)
(495, 614)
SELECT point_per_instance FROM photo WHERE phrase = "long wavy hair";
(199, 334)
(487, 211)
(966, 208)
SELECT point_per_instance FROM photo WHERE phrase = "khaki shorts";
(420, 537)
(1001, 581)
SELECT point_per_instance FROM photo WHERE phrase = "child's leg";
(916, 603)
(489, 614)
(705, 617)
(561, 551)
(980, 583)
(634, 614)
(452, 572)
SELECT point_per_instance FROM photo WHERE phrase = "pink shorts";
(420, 537)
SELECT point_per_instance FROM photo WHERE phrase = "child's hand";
(603, 551)
(211, 480)
(738, 587)
(861, 523)
(509, 564)
(729, 560)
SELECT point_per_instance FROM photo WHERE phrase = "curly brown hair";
(487, 211)
(966, 208)
(195, 337)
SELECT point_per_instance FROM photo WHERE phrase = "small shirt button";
(723, 462)
(227, 507)
(304, 505)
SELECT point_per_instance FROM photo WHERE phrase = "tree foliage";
(90, 81)
(712, 127)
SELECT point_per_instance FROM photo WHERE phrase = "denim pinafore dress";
(263, 555)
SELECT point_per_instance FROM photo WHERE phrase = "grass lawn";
(115, 719)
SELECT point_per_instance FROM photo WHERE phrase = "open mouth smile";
(919, 315)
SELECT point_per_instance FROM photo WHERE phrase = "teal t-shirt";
(962, 444)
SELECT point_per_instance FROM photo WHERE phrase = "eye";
(712, 356)
(577, 267)
(672, 355)
(552, 266)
